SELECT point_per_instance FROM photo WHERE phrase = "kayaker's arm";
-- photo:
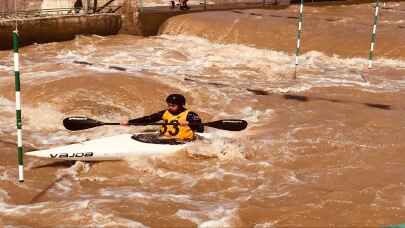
(155, 117)
(195, 122)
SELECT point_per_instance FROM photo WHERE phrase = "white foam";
(125, 194)
(40, 77)
(238, 67)
(72, 209)
(111, 220)
(74, 170)
(131, 193)
(275, 195)
(5, 176)
(62, 187)
(43, 117)
(55, 138)
(266, 225)
(63, 182)
(218, 174)
(40, 118)
(192, 216)
(6, 105)
(3, 195)
(95, 179)
(211, 217)
(251, 115)
(390, 22)
(68, 56)
(185, 179)
(19, 210)
(220, 147)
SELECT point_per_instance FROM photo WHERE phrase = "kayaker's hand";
(124, 123)
(183, 122)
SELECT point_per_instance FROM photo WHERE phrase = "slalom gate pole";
(373, 34)
(20, 153)
(299, 34)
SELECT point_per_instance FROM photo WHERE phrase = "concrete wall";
(130, 18)
(58, 28)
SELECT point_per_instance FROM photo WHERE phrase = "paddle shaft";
(111, 124)
(141, 124)
(81, 123)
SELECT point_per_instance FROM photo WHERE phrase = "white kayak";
(112, 148)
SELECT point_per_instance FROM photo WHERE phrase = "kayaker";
(185, 121)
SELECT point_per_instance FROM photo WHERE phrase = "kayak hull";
(109, 148)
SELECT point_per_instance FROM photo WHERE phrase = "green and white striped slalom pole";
(18, 107)
(140, 6)
(373, 34)
(299, 32)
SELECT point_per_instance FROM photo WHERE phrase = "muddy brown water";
(323, 150)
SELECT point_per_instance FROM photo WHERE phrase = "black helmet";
(177, 99)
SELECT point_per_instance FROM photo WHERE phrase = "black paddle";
(77, 123)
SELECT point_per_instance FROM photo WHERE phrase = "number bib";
(176, 131)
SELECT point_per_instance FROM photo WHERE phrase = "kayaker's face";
(173, 108)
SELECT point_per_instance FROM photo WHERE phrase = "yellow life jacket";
(176, 131)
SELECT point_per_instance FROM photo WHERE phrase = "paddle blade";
(229, 124)
(77, 123)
